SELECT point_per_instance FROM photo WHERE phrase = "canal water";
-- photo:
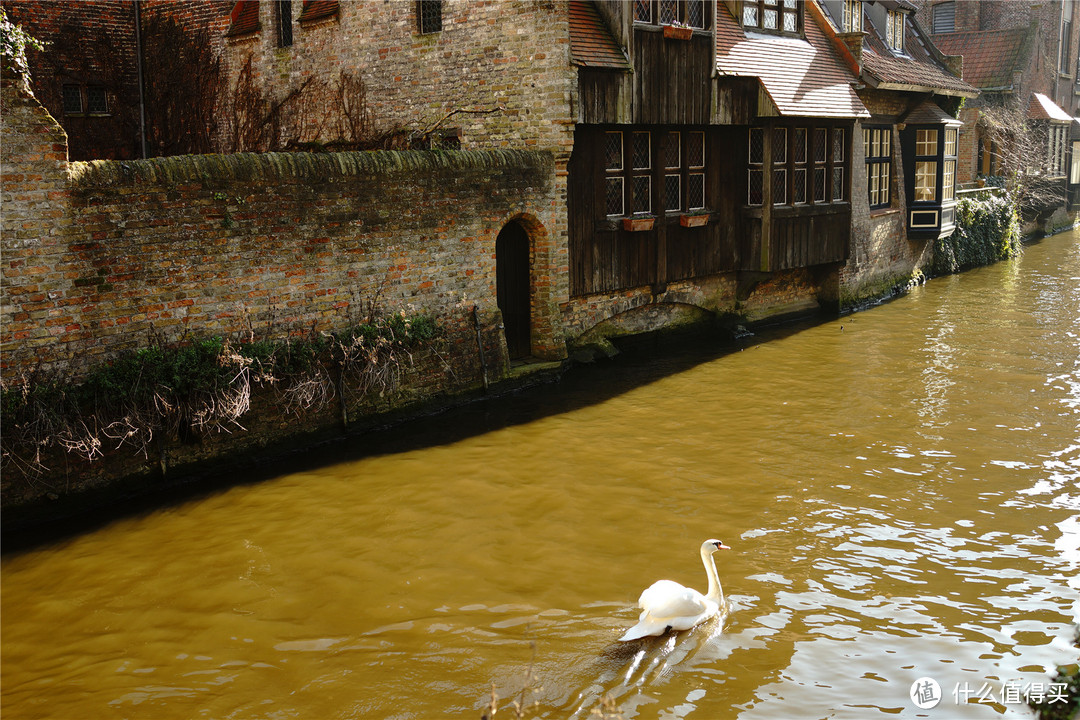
(899, 488)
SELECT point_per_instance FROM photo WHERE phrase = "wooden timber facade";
(668, 100)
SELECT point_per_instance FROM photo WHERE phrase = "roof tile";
(318, 10)
(1043, 108)
(591, 45)
(804, 77)
(916, 67)
(244, 17)
(990, 56)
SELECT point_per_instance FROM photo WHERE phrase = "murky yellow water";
(900, 488)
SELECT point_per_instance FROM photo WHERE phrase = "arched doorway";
(512, 286)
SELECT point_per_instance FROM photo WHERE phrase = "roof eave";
(878, 84)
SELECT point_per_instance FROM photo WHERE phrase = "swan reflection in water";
(625, 668)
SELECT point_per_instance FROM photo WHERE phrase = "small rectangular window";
(97, 100)
(695, 191)
(944, 18)
(877, 143)
(894, 30)
(613, 190)
(673, 150)
(642, 147)
(695, 13)
(756, 171)
(429, 16)
(926, 142)
(669, 12)
(73, 99)
(284, 23)
(643, 11)
(614, 183)
(948, 180)
(853, 15)
(926, 182)
(641, 194)
(673, 192)
(950, 141)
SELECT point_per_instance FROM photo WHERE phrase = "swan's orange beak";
(722, 546)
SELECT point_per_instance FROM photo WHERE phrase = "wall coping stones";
(285, 167)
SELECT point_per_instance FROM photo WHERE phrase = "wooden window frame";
(659, 168)
(877, 151)
(926, 165)
(672, 12)
(853, 12)
(824, 165)
(755, 14)
(283, 22)
(894, 29)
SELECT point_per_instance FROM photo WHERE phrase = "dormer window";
(774, 16)
(894, 30)
(853, 15)
(690, 13)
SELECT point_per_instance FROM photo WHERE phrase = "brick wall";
(881, 253)
(499, 72)
(95, 255)
(90, 45)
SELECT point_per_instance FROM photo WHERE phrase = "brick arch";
(546, 337)
(641, 314)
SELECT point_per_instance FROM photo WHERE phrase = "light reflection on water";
(900, 488)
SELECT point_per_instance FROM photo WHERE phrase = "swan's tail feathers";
(645, 628)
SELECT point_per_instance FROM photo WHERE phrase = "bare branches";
(1022, 151)
(317, 115)
(192, 388)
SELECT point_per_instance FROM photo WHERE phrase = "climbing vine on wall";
(987, 230)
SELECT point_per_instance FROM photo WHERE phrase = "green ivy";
(13, 43)
(986, 231)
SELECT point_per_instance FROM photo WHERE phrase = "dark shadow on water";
(641, 360)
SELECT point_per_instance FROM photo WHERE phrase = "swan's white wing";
(668, 599)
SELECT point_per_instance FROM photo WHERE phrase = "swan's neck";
(715, 593)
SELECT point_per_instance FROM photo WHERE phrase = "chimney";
(854, 43)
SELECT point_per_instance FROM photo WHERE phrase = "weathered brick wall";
(498, 71)
(506, 63)
(90, 43)
(97, 255)
(881, 254)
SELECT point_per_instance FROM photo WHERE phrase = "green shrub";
(986, 231)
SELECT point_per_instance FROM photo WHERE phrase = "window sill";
(876, 213)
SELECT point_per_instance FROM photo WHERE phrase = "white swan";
(667, 605)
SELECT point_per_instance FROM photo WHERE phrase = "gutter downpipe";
(139, 65)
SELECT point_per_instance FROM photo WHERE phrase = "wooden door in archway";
(512, 283)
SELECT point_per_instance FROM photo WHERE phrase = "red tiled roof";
(244, 17)
(990, 56)
(1043, 108)
(802, 77)
(318, 10)
(591, 45)
(918, 68)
